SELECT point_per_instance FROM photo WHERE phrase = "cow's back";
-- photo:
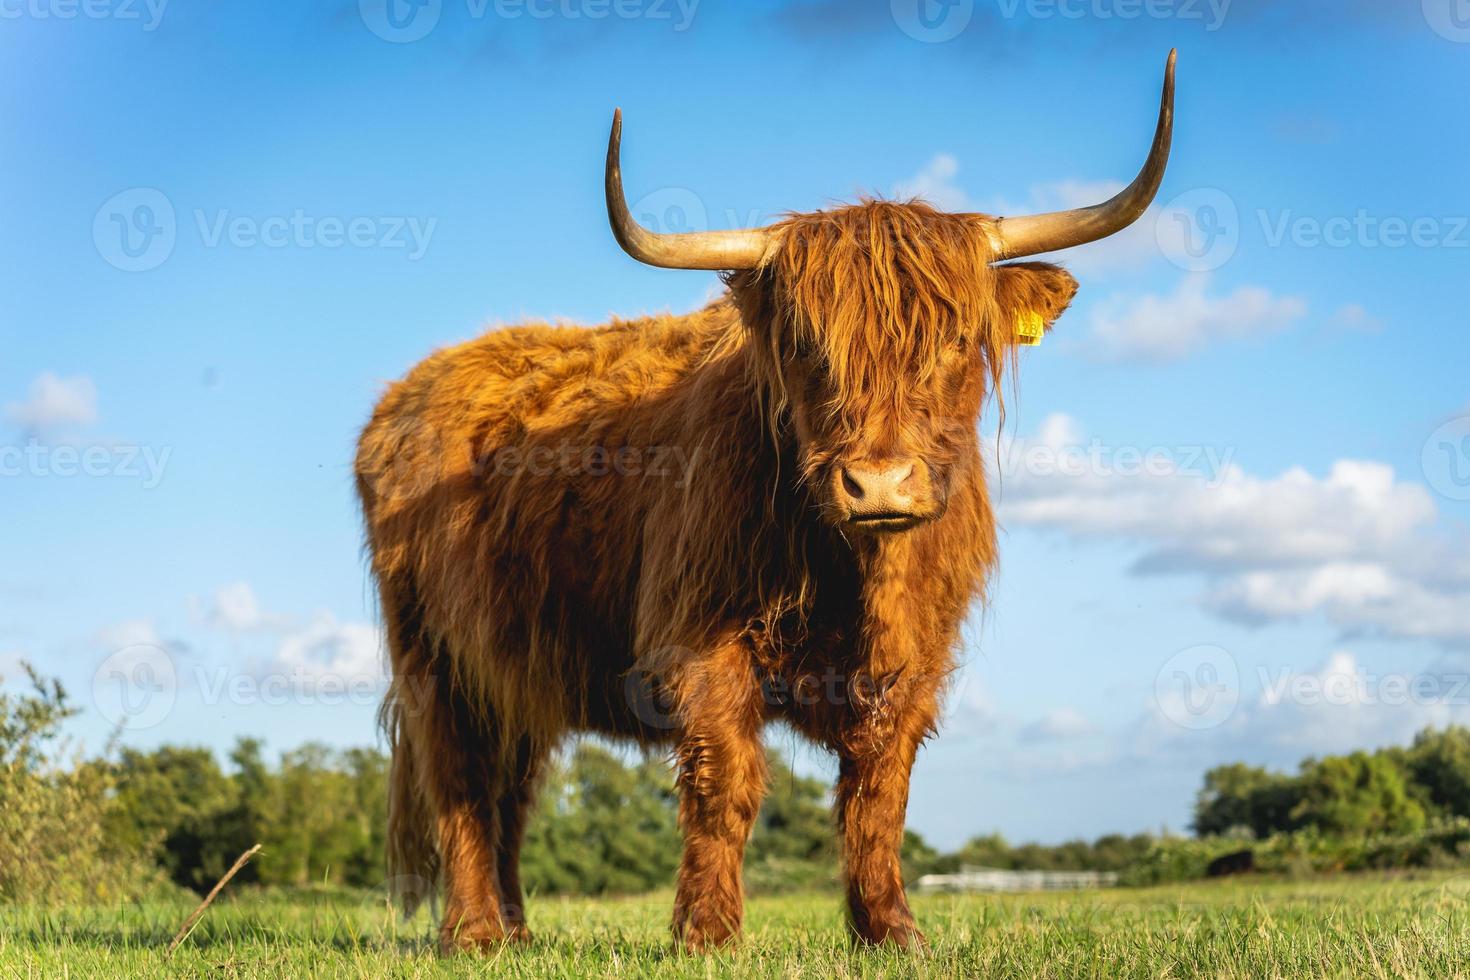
(498, 518)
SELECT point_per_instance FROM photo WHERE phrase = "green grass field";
(1367, 926)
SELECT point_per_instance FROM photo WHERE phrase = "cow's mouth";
(887, 523)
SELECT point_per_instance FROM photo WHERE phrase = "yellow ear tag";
(1030, 328)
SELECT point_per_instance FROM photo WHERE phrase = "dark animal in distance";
(810, 560)
(1237, 863)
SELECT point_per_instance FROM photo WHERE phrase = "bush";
(55, 809)
(1240, 799)
(1170, 859)
(1357, 794)
(1308, 852)
(1439, 762)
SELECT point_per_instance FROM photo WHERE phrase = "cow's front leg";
(872, 798)
(722, 778)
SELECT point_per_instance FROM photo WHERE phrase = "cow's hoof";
(471, 937)
(700, 932)
(904, 935)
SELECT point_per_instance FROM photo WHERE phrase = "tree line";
(1390, 791)
(74, 827)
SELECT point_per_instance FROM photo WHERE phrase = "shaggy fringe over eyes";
(882, 290)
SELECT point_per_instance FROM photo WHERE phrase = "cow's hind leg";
(459, 766)
(515, 802)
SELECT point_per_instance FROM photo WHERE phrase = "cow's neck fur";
(754, 554)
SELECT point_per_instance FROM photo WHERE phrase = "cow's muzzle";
(884, 495)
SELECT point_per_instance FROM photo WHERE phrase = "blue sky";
(1234, 481)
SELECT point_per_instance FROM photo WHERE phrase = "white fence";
(995, 880)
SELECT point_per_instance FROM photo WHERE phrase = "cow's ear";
(1027, 290)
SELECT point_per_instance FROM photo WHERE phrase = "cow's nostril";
(853, 488)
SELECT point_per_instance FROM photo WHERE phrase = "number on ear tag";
(1030, 328)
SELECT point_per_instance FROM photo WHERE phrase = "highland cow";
(676, 529)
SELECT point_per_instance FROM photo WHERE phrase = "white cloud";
(1355, 597)
(130, 633)
(1060, 741)
(55, 402)
(236, 608)
(935, 183)
(971, 711)
(1365, 550)
(1059, 725)
(326, 647)
(1282, 716)
(319, 647)
(1064, 195)
(1341, 705)
(1337, 706)
(1161, 328)
(1354, 317)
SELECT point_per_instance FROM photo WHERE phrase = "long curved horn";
(716, 250)
(1034, 234)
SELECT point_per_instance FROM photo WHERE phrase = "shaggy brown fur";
(636, 530)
